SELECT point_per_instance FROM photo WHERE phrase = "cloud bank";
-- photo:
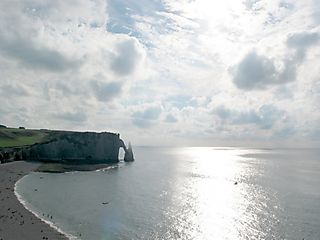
(188, 72)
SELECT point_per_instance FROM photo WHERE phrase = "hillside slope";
(14, 137)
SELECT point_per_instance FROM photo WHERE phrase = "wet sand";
(16, 222)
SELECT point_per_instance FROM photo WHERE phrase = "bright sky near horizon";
(183, 72)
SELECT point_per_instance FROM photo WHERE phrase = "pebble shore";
(16, 222)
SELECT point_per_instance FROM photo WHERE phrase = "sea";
(198, 193)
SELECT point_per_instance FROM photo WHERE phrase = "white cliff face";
(79, 147)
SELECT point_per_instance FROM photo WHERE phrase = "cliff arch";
(128, 153)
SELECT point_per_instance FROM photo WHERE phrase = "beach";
(16, 222)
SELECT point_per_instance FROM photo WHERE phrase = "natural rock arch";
(128, 156)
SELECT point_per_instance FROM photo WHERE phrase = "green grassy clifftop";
(15, 137)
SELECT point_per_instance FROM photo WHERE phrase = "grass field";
(14, 137)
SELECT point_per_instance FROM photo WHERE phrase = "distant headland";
(62, 147)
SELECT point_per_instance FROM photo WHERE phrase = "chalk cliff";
(74, 147)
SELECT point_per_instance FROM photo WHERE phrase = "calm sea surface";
(186, 193)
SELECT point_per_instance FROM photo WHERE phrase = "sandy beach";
(16, 222)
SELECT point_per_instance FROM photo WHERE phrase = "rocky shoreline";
(16, 222)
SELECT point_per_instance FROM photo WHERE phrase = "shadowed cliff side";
(78, 147)
(71, 148)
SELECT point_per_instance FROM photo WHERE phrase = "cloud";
(257, 72)
(123, 15)
(265, 117)
(14, 90)
(285, 132)
(106, 91)
(287, 5)
(127, 58)
(147, 117)
(53, 50)
(171, 119)
(181, 101)
(301, 42)
(251, 4)
(79, 11)
(67, 89)
(283, 92)
(72, 116)
(36, 56)
(73, 59)
(31, 33)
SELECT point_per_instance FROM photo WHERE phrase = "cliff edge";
(70, 147)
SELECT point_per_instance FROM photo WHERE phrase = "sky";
(164, 72)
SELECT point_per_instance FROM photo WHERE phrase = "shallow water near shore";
(186, 193)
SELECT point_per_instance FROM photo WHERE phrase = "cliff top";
(18, 137)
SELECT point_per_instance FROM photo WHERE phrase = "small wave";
(106, 168)
(24, 203)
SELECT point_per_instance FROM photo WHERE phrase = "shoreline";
(24, 203)
(17, 221)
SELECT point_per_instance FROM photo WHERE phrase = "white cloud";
(106, 91)
(128, 56)
(258, 72)
(137, 67)
(74, 116)
(171, 119)
(57, 56)
(147, 117)
(265, 117)
(32, 55)
(302, 41)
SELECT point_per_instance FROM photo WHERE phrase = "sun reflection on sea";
(215, 201)
(187, 194)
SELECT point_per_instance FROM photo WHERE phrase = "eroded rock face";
(73, 147)
(79, 147)
(128, 157)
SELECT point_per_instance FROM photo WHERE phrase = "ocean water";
(186, 193)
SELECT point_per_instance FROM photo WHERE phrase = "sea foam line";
(52, 225)
(106, 168)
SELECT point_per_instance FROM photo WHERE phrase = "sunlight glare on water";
(216, 200)
(188, 194)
